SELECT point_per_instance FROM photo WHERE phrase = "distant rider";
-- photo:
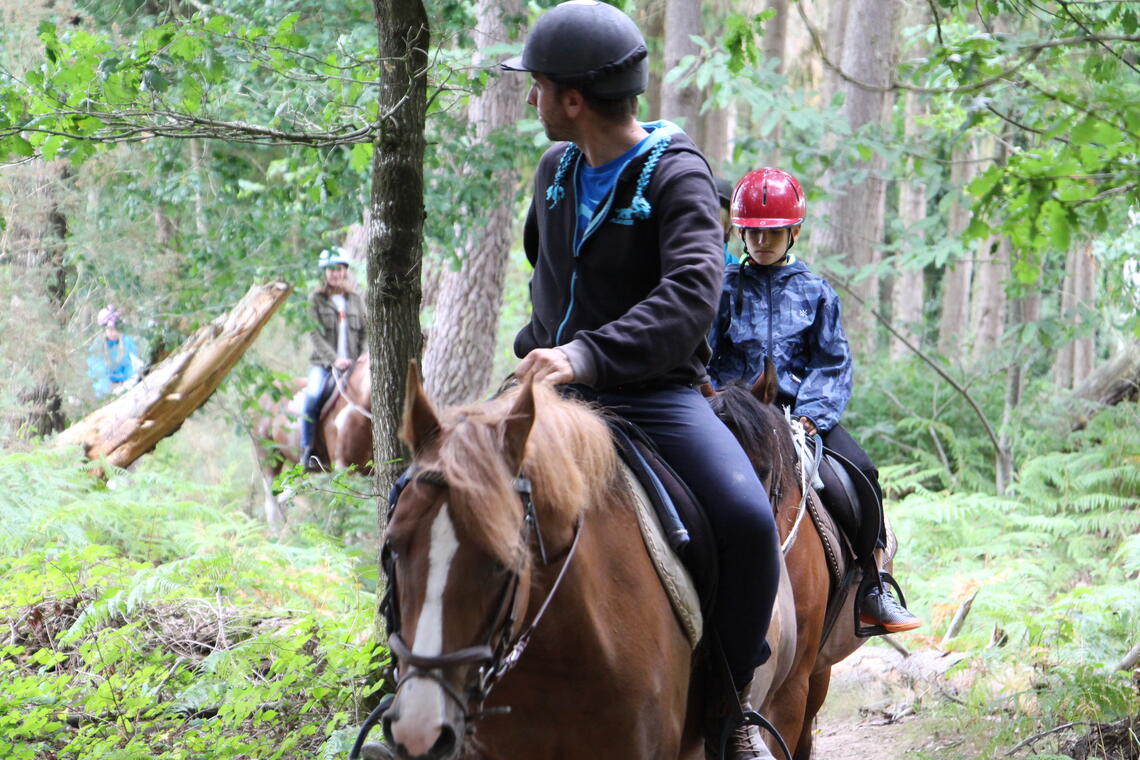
(338, 340)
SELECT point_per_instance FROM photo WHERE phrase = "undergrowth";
(1055, 567)
(152, 618)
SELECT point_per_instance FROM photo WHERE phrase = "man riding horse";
(627, 247)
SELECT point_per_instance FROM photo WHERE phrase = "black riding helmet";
(588, 45)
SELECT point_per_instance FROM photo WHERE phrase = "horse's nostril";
(445, 745)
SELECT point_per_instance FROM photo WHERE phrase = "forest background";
(973, 183)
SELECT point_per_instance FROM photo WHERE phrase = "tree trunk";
(1075, 359)
(774, 46)
(682, 104)
(131, 425)
(651, 21)
(461, 349)
(838, 12)
(35, 244)
(1116, 380)
(395, 222)
(956, 277)
(908, 289)
(853, 223)
(987, 297)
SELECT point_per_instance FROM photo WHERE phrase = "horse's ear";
(421, 425)
(766, 386)
(516, 426)
(707, 390)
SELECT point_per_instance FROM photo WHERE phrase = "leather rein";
(502, 650)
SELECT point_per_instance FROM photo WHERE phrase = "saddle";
(852, 500)
(854, 505)
(683, 521)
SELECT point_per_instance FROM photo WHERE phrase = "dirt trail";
(870, 709)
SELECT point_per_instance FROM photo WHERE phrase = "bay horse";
(762, 429)
(345, 427)
(525, 617)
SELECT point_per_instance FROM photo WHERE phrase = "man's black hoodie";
(633, 307)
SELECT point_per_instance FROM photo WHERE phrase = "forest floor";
(875, 709)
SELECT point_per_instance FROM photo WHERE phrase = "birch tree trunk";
(853, 222)
(682, 104)
(461, 349)
(395, 222)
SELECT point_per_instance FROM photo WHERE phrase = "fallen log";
(160, 402)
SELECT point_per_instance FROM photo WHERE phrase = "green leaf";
(218, 24)
(984, 183)
(360, 157)
(1084, 131)
(154, 80)
(185, 47)
(19, 146)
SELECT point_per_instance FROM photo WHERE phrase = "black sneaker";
(881, 609)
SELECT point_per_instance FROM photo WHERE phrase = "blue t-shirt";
(595, 183)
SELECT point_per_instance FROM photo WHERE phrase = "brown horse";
(793, 702)
(345, 428)
(526, 619)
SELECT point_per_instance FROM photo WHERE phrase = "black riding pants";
(704, 453)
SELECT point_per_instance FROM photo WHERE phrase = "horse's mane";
(569, 459)
(759, 427)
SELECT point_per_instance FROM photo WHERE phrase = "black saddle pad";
(686, 525)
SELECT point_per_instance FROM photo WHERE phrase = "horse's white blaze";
(444, 544)
(422, 701)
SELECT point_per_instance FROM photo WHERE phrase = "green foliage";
(1047, 561)
(151, 619)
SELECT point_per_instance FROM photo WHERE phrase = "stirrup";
(750, 717)
(864, 631)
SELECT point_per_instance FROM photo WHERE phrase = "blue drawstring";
(555, 192)
(639, 208)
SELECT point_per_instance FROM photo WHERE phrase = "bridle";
(502, 649)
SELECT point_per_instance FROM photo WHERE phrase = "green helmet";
(589, 45)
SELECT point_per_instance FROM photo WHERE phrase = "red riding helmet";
(769, 198)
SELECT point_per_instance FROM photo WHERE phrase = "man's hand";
(809, 426)
(342, 364)
(545, 365)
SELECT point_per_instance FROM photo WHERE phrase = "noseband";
(502, 650)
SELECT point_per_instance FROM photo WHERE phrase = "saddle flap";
(681, 516)
(852, 500)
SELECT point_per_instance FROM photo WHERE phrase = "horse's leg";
(269, 470)
(818, 685)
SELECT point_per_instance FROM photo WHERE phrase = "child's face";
(768, 246)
